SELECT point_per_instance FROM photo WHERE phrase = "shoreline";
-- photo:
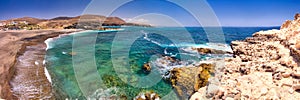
(15, 43)
(264, 66)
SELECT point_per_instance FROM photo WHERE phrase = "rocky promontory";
(264, 66)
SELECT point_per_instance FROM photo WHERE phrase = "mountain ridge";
(86, 21)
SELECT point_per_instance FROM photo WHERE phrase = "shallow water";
(119, 57)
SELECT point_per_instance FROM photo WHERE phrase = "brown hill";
(61, 18)
(30, 20)
(87, 21)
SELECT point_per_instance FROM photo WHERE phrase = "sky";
(159, 12)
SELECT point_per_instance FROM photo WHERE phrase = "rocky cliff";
(264, 66)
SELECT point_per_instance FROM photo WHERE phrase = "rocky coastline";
(264, 66)
(14, 76)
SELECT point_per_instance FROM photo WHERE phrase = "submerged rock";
(72, 53)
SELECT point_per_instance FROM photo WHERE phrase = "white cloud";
(154, 20)
(137, 20)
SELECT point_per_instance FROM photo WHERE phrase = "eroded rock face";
(187, 80)
(210, 51)
(265, 66)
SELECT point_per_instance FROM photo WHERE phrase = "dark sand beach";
(21, 77)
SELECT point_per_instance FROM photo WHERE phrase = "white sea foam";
(64, 52)
(103, 94)
(36, 63)
(216, 46)
(44, 62)
(49, 40)
(148, 39)
(47, 75)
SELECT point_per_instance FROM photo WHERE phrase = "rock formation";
(265, 66)
(147, 67)
(147, 96)
(187, 80)
(210, 51)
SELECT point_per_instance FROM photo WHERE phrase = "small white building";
(2, 24)
(24, 22)
(13, 23)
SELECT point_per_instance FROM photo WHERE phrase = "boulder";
(187, 80)
(149, 95)
(147, 67)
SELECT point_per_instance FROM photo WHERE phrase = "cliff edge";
(264, 66)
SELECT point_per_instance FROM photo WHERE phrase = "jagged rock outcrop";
(265, 66)
(187, 80)
(210, 51)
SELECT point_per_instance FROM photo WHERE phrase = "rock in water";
(72, 53)
(147, 67)
(187, 80)
(147, 96)
(210, 51)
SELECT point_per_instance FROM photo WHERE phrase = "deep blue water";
(134, 46)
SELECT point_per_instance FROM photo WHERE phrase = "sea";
(109, 64)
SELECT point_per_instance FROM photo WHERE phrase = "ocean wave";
(64, 52)
(165, 64)
(50, 40)
(188, 46)
(148, 39)
(48, 43)
(216, 46)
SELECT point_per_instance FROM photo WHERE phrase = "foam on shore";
(49, 46)
(49, 40)
(47, 75)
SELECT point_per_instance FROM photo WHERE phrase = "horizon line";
(152, 25)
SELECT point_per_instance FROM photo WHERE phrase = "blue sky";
(229, 12)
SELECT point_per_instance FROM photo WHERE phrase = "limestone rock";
(210, 51)
(187, 80)
(264, 66)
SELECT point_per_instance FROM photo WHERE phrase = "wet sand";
(21, 64)
(30, 81)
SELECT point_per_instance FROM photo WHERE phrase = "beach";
(15, 45)
(268, 57)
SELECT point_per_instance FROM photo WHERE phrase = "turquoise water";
(135, 45)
